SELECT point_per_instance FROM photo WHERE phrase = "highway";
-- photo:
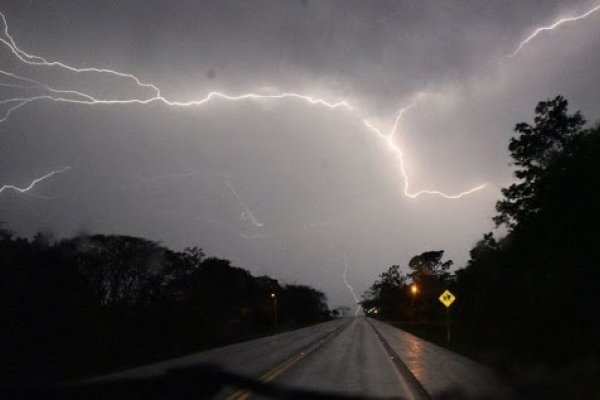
(346, 358)
(353, 362)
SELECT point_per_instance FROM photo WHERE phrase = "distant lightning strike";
(350, 288)
(224, 225)
(76, 97)
(34, 182)
(552, 27)
(247, 215)
(259, 235)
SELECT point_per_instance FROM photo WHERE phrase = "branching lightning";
(77, 97)
(40, 61)
(34, 182)
(551, 27)
(389, 140)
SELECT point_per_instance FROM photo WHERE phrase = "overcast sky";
(284, 187)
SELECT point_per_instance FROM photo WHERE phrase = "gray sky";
(281, 186)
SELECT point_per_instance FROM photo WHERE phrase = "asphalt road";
(349, 358)
(354, 363)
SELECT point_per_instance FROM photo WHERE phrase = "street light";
(414, 289)
(274, 298)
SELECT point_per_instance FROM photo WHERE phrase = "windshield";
(345, 199)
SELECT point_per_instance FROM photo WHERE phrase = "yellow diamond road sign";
(447, 298)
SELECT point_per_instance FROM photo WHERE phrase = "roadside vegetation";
(103, 302)
(526, 300)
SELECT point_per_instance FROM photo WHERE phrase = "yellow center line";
(284, 366)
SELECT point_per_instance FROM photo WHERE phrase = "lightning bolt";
(221, 224)
(34, 182)
(389, 140)
(235, 230)
(350, 288)
(31, 59)
(551, 27)
(77, 97)
(246, 214)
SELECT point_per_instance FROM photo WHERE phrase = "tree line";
(101, 302)
(530, 294)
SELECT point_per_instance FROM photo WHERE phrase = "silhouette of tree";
(432, 276)
(391, 294)
(97, 302)
(530, 292)
(385, 293)
(300, 304)
(122, 270)
(5, 234)
(555, 133)
(429, 264)
(526, 297)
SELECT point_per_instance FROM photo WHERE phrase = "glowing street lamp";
(414, 289)
(274, 298)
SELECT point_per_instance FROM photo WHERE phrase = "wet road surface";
(349, 358)
(354, 362)
(442, 372)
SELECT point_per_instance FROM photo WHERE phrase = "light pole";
(274, 298)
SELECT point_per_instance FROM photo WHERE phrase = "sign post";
(447, 299)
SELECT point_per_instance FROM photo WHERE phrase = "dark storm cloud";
(310, 184)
